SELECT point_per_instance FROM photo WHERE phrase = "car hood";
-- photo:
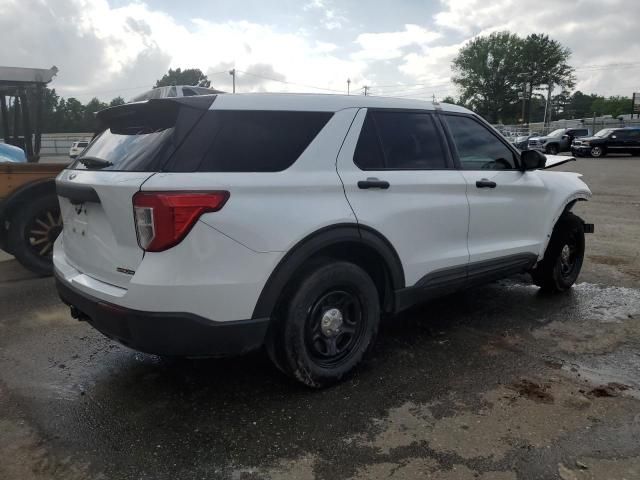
(590, 138)
(543, 138)
(556, 160)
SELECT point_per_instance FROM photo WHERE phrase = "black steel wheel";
(562, 262)
(326, 323)
(334, 327)
(552, 149)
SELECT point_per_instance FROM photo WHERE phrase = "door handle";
(373, 182)
(485, 183)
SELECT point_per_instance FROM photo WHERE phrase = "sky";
(106, 48)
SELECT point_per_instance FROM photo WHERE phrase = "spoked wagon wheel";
(34, 229)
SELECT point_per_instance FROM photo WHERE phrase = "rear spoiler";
(158, 112)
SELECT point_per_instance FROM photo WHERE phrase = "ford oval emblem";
(72, 176)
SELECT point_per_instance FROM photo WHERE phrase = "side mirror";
(532, 160)
(564, 137)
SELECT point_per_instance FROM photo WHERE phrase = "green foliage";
(117, 101)
(491, 71)
(188, 76)
(580, 105)
(487, 74)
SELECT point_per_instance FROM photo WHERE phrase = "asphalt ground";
(495, 383)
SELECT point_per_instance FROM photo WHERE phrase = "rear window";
(247, 141)
(139, 137)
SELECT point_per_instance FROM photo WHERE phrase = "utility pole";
(366, 90)
(348, 86)
(524, 99)
(547, 106)
(232, 72)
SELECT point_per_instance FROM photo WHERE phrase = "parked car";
(608, 140)
(557, 141)
(522, 142)
(10, 153)
(175, 91)
(214, 225)
(77, 148)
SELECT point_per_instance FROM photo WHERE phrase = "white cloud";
(387, 45)
(110, 51)
(599, 32)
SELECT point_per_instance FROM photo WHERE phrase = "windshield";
(604, 132)
(556, 133)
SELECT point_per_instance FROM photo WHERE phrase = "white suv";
(215, 225)
(77, 148)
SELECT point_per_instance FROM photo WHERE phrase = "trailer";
(29, 212)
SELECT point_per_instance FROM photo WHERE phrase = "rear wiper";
(94, 162)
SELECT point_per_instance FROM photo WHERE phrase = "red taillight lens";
(163, 219)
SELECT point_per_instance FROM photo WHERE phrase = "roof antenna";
(435, 101)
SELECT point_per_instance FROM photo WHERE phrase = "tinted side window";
(368, 154)
(247, 141)
(478, 148)
(406, 141)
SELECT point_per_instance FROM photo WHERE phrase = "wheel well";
(24, 194)
(348, 242)
(369, 260)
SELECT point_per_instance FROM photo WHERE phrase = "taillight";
(163, 219)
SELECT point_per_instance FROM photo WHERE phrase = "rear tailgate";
(96, 193)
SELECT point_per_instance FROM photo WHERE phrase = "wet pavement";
(496, 383)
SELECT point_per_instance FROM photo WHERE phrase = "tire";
(551, 149)
(597, 152)
(562, 261)
(326, 323)
(33, 229)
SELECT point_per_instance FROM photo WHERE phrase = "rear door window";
(478, 148)
(400, 141)
(248, 141)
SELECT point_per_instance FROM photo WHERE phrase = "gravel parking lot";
(499, 382)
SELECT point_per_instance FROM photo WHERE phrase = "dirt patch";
(427, 469)
(601, 469)
(529, 413)
(610, 390)
(606, 260)
(533, 391)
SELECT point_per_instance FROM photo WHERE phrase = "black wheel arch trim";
(24, 193)
(314, 243)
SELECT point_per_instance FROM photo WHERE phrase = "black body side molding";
(449, 280)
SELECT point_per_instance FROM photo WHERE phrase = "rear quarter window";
(247, 141)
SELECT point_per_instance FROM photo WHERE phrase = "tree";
(189, 76)
(117, 101)
(614, 106)
(486, 71)
(491, 72)
(543, 61)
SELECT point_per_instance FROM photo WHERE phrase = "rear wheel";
(34, 228)
(326, 324)
(597, 152)
(563, 259)
(552, 149)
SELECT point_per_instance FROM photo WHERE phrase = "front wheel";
(562, 261)
(597, 152)
(34, 227)
(326, 325)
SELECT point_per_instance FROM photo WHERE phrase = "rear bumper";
(171, 333)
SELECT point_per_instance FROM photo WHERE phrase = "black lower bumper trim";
(171, 334)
